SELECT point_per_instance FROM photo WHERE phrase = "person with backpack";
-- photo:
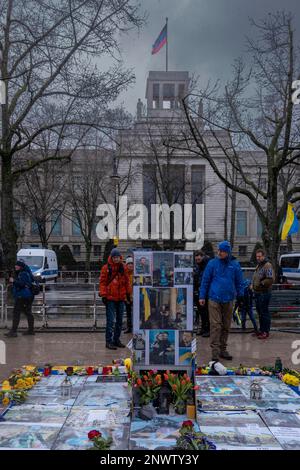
(24, 288)
(262, 282)
(114, 288)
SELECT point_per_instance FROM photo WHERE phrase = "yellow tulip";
(128, 363)
(5, 401)
(6, 386)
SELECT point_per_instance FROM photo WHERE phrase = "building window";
(242, 250)
(259, 228)
(168, 95)
(76, 232)
(198, 185)
(241, 223)
(181, 93)
(262, 184)
(56, 223)
(149, 190)
(155, 102)
(34, 227)
(76, 250)
(18, 222)
(97, 251)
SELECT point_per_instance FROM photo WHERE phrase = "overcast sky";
(204, 37)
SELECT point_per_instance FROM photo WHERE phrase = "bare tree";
(50, 56)
(255, 124)
(40, 192)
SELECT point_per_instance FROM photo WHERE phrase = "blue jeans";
(114, 321)
(262, 300)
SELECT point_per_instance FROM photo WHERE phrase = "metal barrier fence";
(76, 306)
(62, 306)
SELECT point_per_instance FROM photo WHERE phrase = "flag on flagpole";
(161, 40)
(291, 223)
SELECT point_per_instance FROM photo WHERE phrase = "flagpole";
(167, 46)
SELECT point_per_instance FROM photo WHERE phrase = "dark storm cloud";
(205, 36)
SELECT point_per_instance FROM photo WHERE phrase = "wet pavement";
(89, 348)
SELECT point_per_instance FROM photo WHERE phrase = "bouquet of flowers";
(189, 439)
(148, 386)
(100, 443)
(181, 388)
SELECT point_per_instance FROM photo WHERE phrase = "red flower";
(151, 372)
(187, 424)
(139, 381)
(174, 387)
(166, 377)
(93, 434)
(196, 387)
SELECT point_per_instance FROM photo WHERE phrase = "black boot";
(29, 333)
(119, 344)
(111, 346)
(11, 334)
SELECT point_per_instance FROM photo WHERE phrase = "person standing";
(247, 308)
(262, 282)
(114, 289)
(129, 302)
(202, 315)
(23, 295)
(222, 280)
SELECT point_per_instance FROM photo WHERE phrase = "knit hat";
(20, 263)
(225, 246)
(115, 252)
(129, 259)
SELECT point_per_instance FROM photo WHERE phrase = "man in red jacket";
(114, 289)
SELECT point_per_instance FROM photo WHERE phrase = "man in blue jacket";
(23, 295)
(222, 281)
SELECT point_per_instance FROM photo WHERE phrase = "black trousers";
(23, 306)
(202, 314)
(129, 315)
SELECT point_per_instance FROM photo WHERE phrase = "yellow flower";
(6, 386)
(5, 401)
(128, 363)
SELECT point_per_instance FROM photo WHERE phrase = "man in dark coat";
(23, 295)
(201, 261)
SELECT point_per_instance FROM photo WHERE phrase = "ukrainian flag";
(147, 309)
(291, 223)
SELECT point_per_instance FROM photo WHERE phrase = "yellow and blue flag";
(291, 223)
(147, 307)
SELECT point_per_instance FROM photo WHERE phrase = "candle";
(191, 411)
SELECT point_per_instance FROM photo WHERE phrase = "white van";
(42, 262)
(290, 264)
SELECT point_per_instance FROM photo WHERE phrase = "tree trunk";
(9, 234)
(271, 236)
